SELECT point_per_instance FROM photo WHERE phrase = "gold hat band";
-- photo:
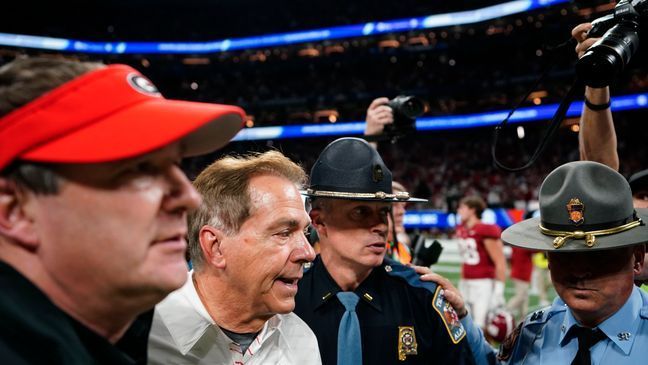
(590, 236)
(401, 195)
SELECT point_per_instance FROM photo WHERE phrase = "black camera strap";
(550, 131)
(393, 244)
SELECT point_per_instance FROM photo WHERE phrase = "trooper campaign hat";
(584, 206)
(349, 168)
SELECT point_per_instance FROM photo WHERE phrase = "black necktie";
(587, 338)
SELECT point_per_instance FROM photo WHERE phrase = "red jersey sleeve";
(488, 231)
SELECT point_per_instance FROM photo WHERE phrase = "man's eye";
(359, 212)
(145, 168)
(142, 168)
(284, 234)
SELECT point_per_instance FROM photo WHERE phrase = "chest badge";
(406, 342)
(575, 208)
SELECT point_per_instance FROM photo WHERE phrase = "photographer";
(392, 119)
(378, 116)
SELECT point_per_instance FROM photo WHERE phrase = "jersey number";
(468, 250)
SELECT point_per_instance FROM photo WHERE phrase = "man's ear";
(317, 221)
(210, 239)
(15, 220)
(639, 253)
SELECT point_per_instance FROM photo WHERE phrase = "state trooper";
(363, 307)
(594, 240)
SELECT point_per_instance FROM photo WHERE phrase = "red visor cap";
(111, 114)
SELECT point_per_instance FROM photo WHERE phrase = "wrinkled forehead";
(270, 192)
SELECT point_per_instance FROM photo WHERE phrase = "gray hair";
(224, 186)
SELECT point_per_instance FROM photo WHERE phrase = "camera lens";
(407, 106)
(412, 107)
(406, 109)
(602, 62)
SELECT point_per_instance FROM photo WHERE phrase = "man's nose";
(182, 196)
(304, 252)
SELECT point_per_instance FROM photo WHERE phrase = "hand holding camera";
(378, 116)
(607, 57)
(581, 34)
(395, 117)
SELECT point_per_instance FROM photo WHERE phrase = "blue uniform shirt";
(402, 319)
(545, 338)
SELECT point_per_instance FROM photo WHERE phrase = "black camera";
(606, 58)
(425, 251)
(406, 109)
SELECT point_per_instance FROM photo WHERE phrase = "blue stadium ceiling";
(266, 40)
(198, 20)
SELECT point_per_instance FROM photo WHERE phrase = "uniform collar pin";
(624, 336)
(536, 315)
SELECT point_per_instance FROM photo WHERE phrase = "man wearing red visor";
(92, 204)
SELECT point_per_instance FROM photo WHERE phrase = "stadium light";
(280, 39)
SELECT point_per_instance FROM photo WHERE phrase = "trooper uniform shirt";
(545, 337)
(35, 331)
(402, 319)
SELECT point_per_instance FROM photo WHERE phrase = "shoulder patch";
(448, 316)
(506, 348)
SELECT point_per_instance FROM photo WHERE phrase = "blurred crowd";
(442, 166)
(445, 67)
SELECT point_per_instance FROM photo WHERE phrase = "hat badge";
(575, 208)
(378, 174)
(142, 84)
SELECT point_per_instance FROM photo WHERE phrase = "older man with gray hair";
(247, 247)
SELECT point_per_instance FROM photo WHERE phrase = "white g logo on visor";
(142, 85)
